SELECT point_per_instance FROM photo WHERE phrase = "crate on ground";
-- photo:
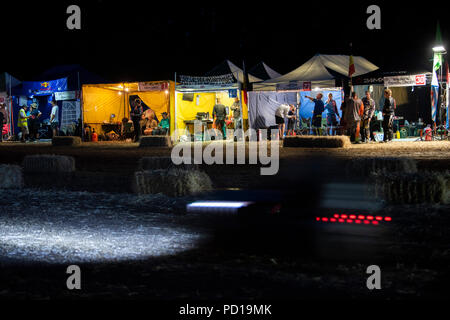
(11, 177)
(47, 163)
(316, 142)
(155, 141)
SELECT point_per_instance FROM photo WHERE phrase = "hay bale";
(155, 141)
(172, 182)
(153, 163)
(46, 163)
(10, 177)
(66, 141)
(366, 166)
(410, 188)
(316, 142)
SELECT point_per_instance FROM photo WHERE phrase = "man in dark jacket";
(219, 114)
(136, 115)
(369, 110)
(388, 116)
(353, 112)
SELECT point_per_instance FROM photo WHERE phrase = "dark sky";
(150, 40)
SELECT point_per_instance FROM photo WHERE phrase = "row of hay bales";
(145, 141)
(11, 176)
(160, 175)
(154, 175)
(316, 142)
(398, 180)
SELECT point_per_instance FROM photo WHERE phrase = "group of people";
(219, 114)
(28, 121)
(356, 116)
(146, 122)
(358, 113)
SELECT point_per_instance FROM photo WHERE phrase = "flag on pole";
(245, 83)
(351, 66)
(447, 98)
(434, 96)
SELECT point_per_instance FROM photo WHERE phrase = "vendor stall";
(411, 92)
(195, 98)
(106, 107)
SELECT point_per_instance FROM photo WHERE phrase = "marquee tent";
(106, 103)
(263, 71)
(263, 104)
(227, 67)
(321, 71)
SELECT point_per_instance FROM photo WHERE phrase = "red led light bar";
(352, 218)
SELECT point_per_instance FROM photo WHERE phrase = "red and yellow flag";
(351, 67)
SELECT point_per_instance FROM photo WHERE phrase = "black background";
(150, 40)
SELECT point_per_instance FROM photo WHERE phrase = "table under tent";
(106, 107)
(326, 74)
(411, 92)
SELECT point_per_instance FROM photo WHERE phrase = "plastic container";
(94, 136)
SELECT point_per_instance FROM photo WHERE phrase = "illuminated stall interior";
(104, 106)
(192, 104)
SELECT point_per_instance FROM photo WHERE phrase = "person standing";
(2, 122)
(22, 122)
(332, 114)
(281, 114)
(54, 118)
(369, 111)
(291, 121)
(319, 108)
(136, 115)
(33, 122)
(354, 111)
(237, 119)
(388, 116)
(219, 114)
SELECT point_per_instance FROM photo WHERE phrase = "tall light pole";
(440, 51)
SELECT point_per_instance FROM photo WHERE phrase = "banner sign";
(406, 81)
(294, 85)
(38, 88)
(225, 79)
(66, 95)
(153, 86)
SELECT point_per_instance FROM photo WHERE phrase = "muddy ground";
(413, 250)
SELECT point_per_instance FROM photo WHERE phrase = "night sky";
(149, 40)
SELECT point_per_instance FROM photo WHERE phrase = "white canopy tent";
(263, 71)
(317, 71)
(227, 67)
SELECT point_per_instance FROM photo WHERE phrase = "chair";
(305, 126)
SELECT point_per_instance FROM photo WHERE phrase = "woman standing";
(35, 114)
(332, 114)
(136, 115)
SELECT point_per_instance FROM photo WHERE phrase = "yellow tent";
(100, 101)
(203, 101)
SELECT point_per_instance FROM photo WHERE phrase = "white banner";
(153, 86)
(405, 81)
(65, 95)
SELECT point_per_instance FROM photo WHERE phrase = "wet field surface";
(147, 247)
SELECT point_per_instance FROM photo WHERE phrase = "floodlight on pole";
(439, 49)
